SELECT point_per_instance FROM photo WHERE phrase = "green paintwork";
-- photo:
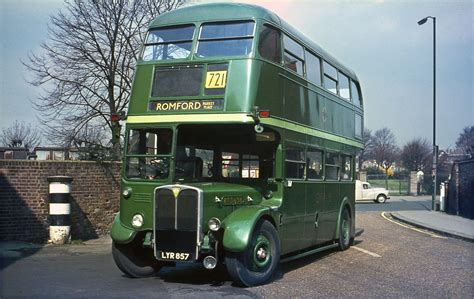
(293, 101)
(120, 233)
(305, 214)
(239, 225)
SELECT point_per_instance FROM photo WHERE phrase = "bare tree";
(465, 142)
(20, 134)
(416, 155)
(384, 148)
(86, 66)
(364, 153)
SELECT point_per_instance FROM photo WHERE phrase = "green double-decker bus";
(241, 137)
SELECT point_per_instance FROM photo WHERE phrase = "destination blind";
(187, 105)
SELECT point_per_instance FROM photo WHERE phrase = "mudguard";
(346, 202)
(239, 225)
(121, 234)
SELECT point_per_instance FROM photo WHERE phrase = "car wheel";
(381, 198)
(134, 260)
(345, 225)
(259, 261)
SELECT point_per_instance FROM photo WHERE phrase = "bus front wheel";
(134, 260)
(256, 264)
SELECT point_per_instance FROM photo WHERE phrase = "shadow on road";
(195, 274)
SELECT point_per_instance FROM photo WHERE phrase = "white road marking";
(412, 228)
(366, 251)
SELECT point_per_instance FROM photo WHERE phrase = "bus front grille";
(177, 222)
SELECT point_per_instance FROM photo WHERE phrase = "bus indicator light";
(264, 113)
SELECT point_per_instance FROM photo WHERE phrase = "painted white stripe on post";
(59, 208)
(59, 188)
(59, 234)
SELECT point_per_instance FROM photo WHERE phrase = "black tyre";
(134, 260)
(257, 264)
(381, 198)
(345, 226)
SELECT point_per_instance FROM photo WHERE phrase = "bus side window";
(346, 173)
(314, 159)
(295, 163)
(313, 68)
(270, 44)
(355, 94)
(330, 77)
(332, 166)
(294, 55)
(344, 86)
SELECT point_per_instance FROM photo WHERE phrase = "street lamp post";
(435, 148)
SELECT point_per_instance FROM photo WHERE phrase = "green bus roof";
(239, 11)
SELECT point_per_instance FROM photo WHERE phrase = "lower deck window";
(332, 166)
(216, 153)
(295, 163)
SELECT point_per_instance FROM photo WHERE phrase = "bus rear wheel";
(345, 225)
(257, 264)
(134, 260)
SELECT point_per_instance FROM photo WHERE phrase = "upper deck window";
(294, 55)
(269, 45)
(168, 43)
(313, 68)
(330, 77)
(355, 94)
(344, 86)
(226, 39)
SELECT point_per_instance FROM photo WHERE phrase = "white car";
(365, 192)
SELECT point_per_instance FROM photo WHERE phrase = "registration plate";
(173, 256)
(216, 79)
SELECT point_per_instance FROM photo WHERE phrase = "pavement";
(19, 249)
(440, 222)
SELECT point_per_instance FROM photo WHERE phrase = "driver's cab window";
(366, 186)
(148, 152)
(150, 142)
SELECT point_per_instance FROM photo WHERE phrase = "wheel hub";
(261, 253)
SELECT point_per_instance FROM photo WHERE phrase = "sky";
(380, 40)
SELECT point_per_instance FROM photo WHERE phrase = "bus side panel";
(330, 209)
(293, 210)
(314, 210)
(270, 89)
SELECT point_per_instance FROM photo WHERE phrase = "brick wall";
(24, 205)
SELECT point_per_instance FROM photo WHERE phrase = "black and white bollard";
(59, 209)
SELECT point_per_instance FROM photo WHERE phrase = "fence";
(396, 186)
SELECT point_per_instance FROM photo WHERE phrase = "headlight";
(127, 192)
(137, 220)
(214, 224)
